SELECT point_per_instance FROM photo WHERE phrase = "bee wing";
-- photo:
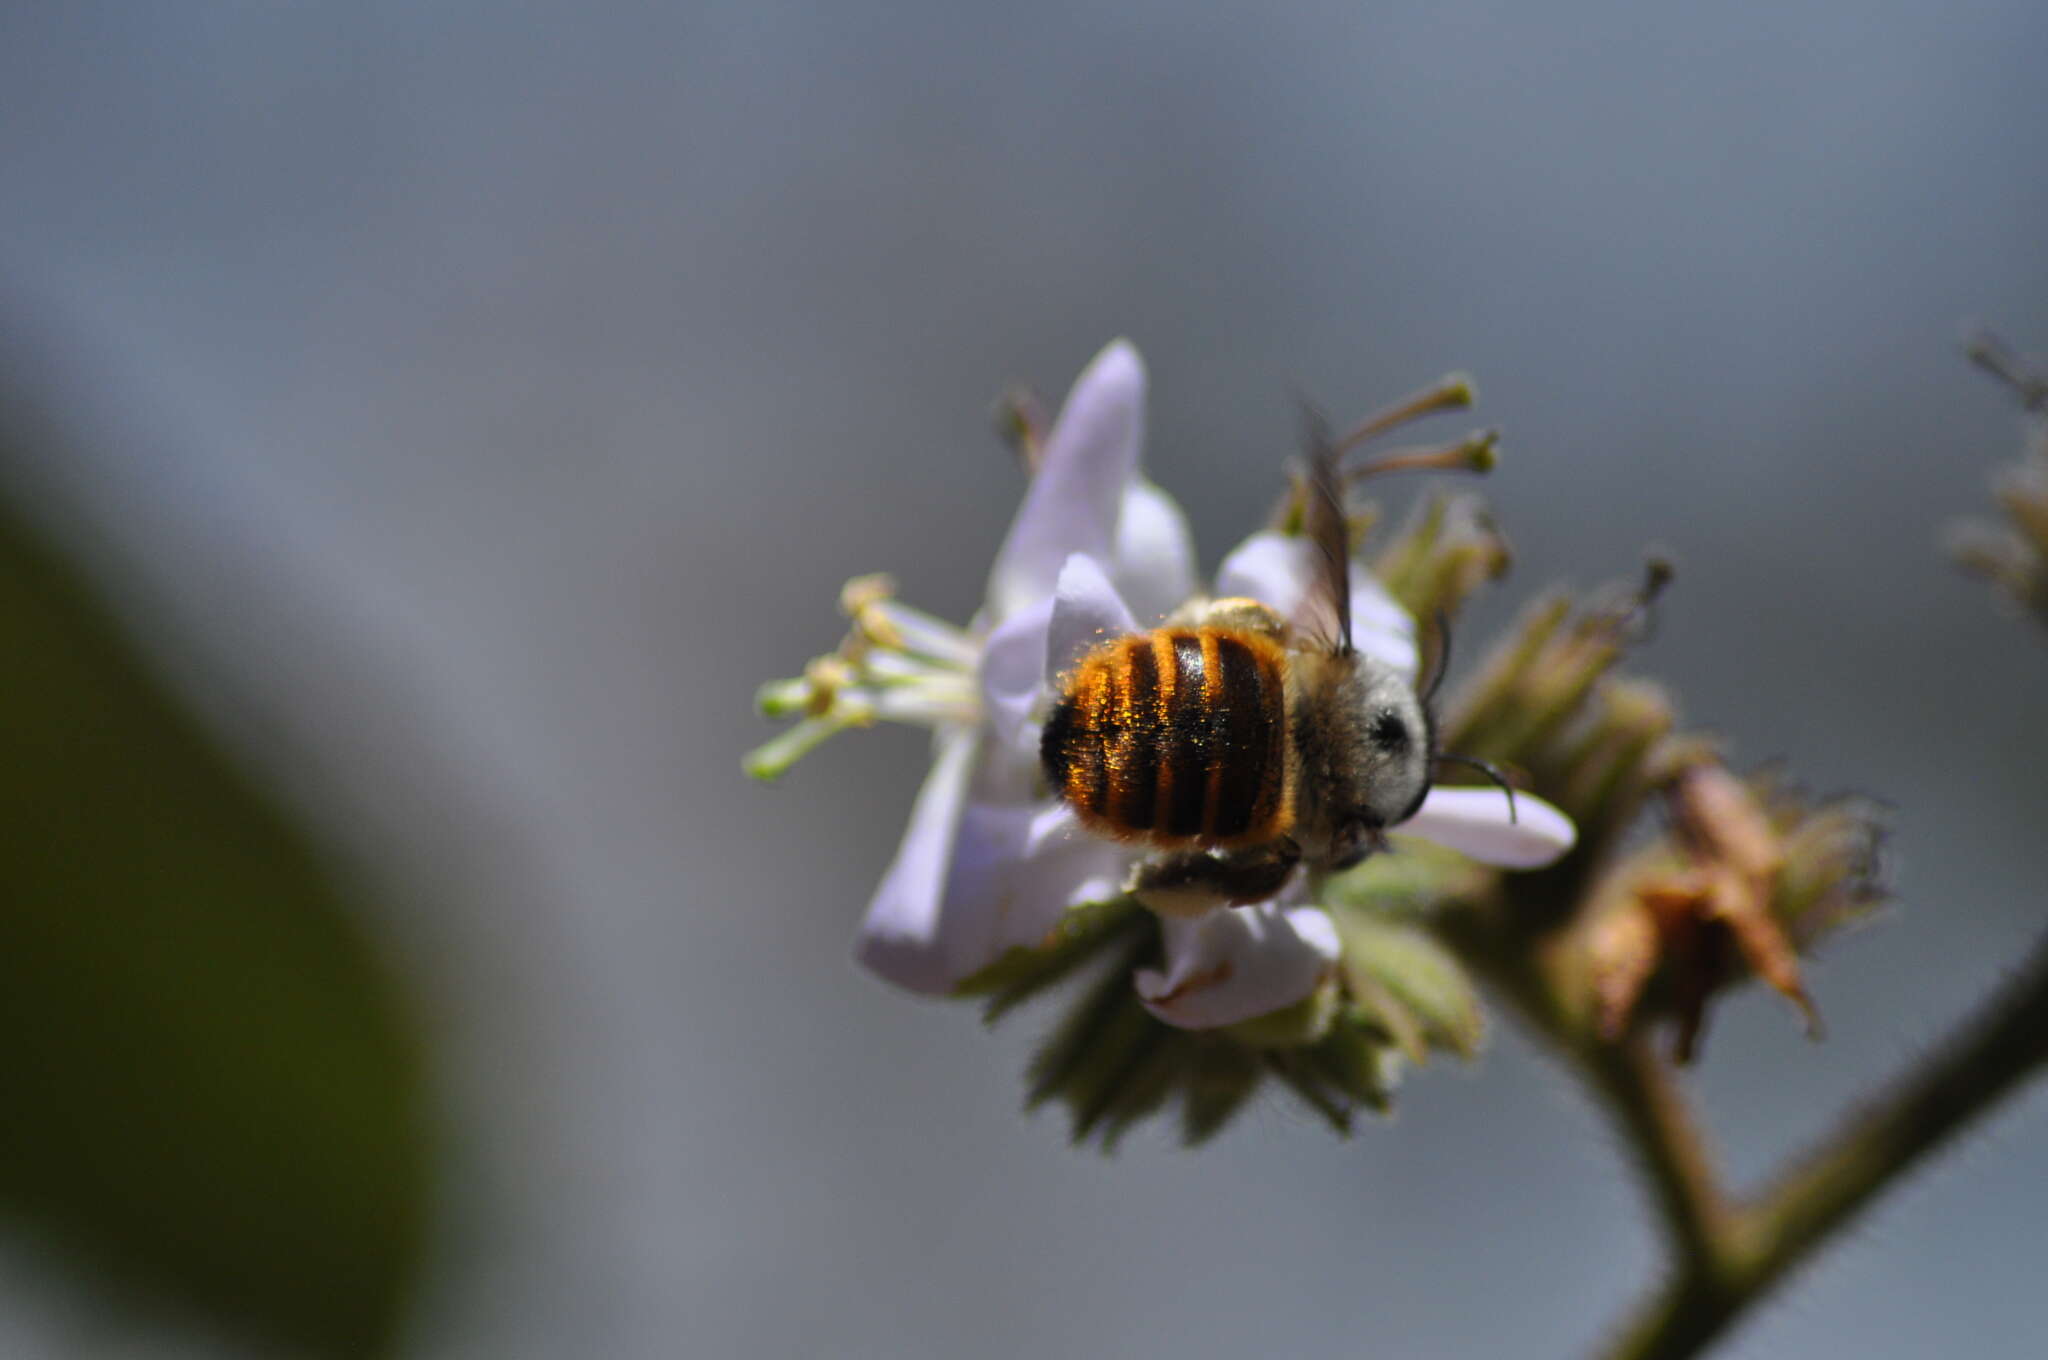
(1325, 613)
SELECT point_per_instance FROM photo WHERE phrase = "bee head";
(1399, 749)
(1387, 764)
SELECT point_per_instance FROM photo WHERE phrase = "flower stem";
(1741, 1254)
(1644, 1097)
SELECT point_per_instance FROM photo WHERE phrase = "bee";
(1242, 744)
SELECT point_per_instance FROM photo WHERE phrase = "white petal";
(1276, 569)
(1269, 567)
(1238, 963)
(1077, 493)
(1062, 866)
(1475, 822)
(975, 913)
(1155, 553)
(1380, 626)
(906, 937)
(1005, 874)
(1087, 611)
(1013, 676)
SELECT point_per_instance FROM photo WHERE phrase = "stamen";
(928, 704)
(897, 626)
(827, 676)
(1452, 392)
(776, 755)
(1476, 452)
(873, 627)
(862, 591)
(780, 698)
(886, 668)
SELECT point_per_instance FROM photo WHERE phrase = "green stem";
(1639, 1092)
(1644, 1097)
(1742, 1256)
(1980, 1065)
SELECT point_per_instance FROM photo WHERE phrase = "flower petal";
(1475, 822)
(1238, 963)
(1272, 568)
(1005, 874)
(1062, 866)
(1155, 553)
(1276, 569)
(1013, 662)
(1087, 611)
(1380, 626)
(1078, 491)
(906, 937)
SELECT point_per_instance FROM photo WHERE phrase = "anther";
(827, 675)
(1476, 452)
(856, 595)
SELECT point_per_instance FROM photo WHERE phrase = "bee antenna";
(1440, 660)
(1487, 768)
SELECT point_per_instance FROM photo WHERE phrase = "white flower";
(990, 861)
(1239, 963)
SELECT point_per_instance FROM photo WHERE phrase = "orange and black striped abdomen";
(1177, 736)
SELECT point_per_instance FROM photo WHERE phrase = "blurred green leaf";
(1022, 972)
(1359, 1060)
(1411, 985)
(209, 1089)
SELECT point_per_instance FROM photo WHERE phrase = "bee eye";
(1389, 731)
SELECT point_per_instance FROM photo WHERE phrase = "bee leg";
(1196, 881)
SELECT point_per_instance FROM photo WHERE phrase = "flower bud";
(1113, 1064)
(2014, 556)
(1547, 704)
(1448, 549)
(1748, 872)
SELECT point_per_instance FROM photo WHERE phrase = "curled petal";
(1277, 569)
(963, 891)
(906, 937)
(1086, 612)
(1475, 823)
(1078, 491)
(1154, 562)
(1237, 963)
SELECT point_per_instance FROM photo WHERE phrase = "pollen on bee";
(1175, 737)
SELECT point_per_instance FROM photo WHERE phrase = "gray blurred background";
(470, 403)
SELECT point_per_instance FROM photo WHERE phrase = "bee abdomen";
(1177, 736)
